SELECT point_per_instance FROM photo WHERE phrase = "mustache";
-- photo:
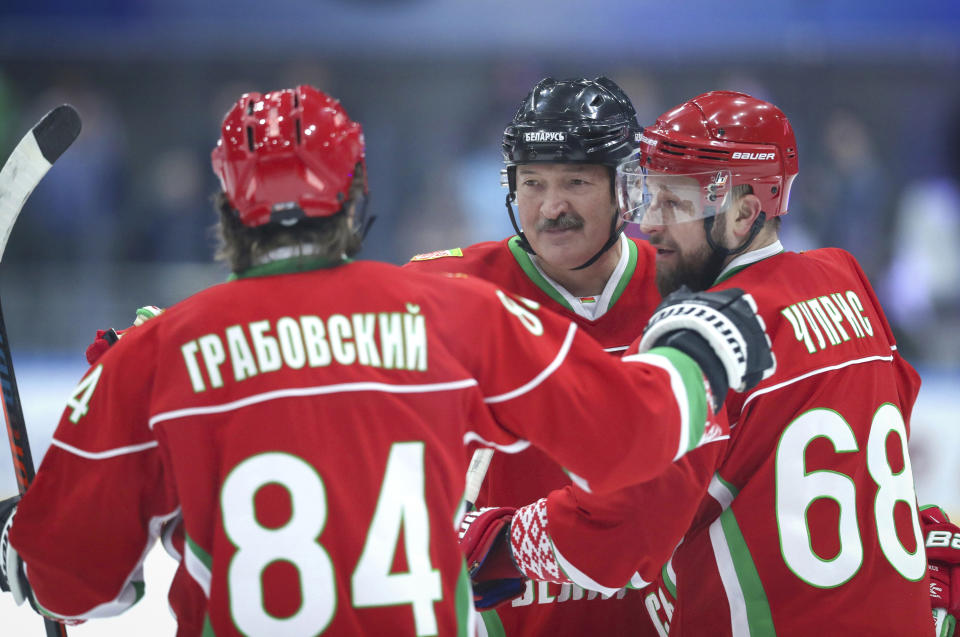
(563, 222)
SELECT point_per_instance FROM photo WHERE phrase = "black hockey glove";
(12, 579)
(721, 331)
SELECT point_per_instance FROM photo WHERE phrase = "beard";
(697, 270)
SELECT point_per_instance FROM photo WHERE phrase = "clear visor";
(654, 198)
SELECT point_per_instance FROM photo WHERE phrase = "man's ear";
(746, 211)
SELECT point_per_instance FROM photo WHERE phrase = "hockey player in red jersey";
(810, 523)
(302, 425)
(569, 254)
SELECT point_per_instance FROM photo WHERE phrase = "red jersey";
(809, 526)
(517, 479)
(305, 432)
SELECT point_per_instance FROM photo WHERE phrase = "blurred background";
(872, 89)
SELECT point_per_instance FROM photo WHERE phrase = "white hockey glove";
(719, 330)
(12, 579)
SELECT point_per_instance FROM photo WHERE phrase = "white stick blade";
(31, 160)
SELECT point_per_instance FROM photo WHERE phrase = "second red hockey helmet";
(700, 150)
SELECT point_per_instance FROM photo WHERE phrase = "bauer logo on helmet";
(754, 156)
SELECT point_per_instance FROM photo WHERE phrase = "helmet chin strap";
(729, 252)
(511, 197)
(615, 231)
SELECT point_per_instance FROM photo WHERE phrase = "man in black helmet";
(561, 151)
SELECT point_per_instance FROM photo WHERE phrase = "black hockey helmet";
(570, 121)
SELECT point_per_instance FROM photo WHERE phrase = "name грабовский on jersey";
(261, 347)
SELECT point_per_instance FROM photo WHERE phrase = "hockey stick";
(27, 165)
(476, 472)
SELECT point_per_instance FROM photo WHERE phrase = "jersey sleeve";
(610, 422)
(100, 484)
(606, 541)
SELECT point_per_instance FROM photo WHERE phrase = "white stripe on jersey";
(515, 447)
(311, 391)
(197, 569)
(822, 370)
(739, 625)
(101, 455)
(618, 348)
(542, 376)
(720, 492)
(580, 578)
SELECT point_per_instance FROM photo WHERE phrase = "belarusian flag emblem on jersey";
(588, 299)
(426, 256)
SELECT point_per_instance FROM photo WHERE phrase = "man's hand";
(106, 338)
(485, 542)
(721, 331)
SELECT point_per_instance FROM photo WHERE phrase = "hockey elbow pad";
(721, 331)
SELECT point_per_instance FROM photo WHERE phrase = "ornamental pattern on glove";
(532, 548)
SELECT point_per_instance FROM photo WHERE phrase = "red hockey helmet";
(701, 149)
(287, 155)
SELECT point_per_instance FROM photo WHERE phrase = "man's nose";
(554, 204)
(648, 226)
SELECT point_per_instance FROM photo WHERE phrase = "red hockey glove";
(106, 338)
(485, 542)
(942, 540)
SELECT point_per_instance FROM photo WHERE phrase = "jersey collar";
(614, 287)
(288, 266)
(749, 258)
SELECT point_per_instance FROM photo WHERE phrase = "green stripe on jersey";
(696, 393)
(668, 581)
(491, 621)
(288, 266)
(523, 260)
(759, 617)
(627, 273)
(464, 600)
(198, 551)
(207, 626)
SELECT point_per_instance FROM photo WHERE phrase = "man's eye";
(577, 182)
(530, 183)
